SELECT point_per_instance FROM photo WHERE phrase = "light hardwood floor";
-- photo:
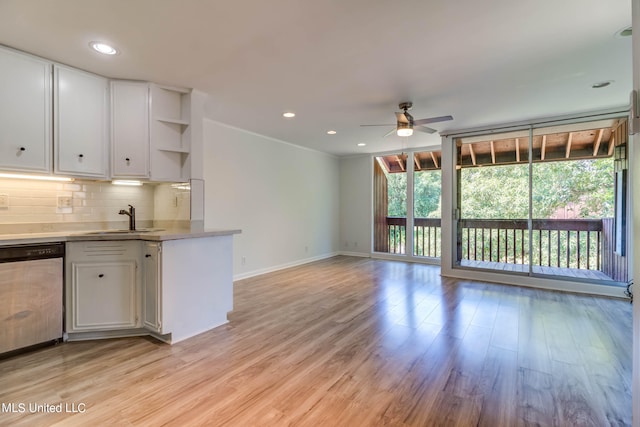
(351, 342)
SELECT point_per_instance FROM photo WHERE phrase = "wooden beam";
(399, 161)
(417, 162)
(435, 160)
(568, 151)
(493, 153)
(544, 147)
(473, 155)
(596, 144)
(518, 150)
(612, 144)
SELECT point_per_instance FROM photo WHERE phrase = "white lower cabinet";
(102, 286)
(183, 287)
(152, 286)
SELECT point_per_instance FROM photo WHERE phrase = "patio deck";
(578, 273)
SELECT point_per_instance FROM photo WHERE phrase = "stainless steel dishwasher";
(31, 302)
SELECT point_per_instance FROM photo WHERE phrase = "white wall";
(284, 198)
(355, 205)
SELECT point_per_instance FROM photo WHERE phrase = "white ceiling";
(341, 63)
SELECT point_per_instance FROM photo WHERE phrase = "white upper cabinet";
(129, 129)
(80, 123)
(25, 112)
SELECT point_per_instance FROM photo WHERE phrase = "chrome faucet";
(132, 217)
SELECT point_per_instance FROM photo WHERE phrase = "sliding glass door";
(544, 201)
(493, 201)
(390, 203)
(426, 204)
(407, 202)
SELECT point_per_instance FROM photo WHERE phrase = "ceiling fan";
(405, 124)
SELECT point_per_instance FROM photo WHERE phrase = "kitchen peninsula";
(171, 284)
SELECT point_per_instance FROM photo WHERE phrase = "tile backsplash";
(44, 205)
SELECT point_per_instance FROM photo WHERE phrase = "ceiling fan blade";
(402, 118)
(424, 129)
(378, 125)
(432, 120)
(391, 132)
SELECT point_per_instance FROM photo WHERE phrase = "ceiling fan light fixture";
(404, 130)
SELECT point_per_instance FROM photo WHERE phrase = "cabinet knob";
(128, 159)
(81, 155)
(147, 256)
(100, 275)
(23, 149)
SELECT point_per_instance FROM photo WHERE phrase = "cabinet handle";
(81, 155)
(101, 275)
(23, 149)
(147, 256)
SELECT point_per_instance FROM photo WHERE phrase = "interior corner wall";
(284, 198)
(356, 205)
(635, 203)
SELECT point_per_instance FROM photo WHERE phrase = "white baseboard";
(358, 254)
(283, 266)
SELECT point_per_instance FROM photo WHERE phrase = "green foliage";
(585, 186)
(397, 194)
(497, 192)
(427, 194)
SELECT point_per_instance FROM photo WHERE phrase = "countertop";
(153, 234)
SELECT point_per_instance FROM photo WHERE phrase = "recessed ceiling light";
(331, 132)
(600, 85)
(362, 144)
(288, 114)
(103, 48)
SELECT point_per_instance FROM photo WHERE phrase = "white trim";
(540, 283)
(355, 254)
(283, 266)
(270, 138)
(405, 258)
(539, 122)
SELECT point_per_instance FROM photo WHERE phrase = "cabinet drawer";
(108, 250)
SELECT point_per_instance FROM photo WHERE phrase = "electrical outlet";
(65, 201)
(4, 201)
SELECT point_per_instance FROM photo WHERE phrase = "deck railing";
(564, 243)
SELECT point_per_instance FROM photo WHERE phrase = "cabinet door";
(25, 113)
(80, 117)
(152, 287)
(103, 295)
(129, 129)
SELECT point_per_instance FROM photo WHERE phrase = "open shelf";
(173, 121)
